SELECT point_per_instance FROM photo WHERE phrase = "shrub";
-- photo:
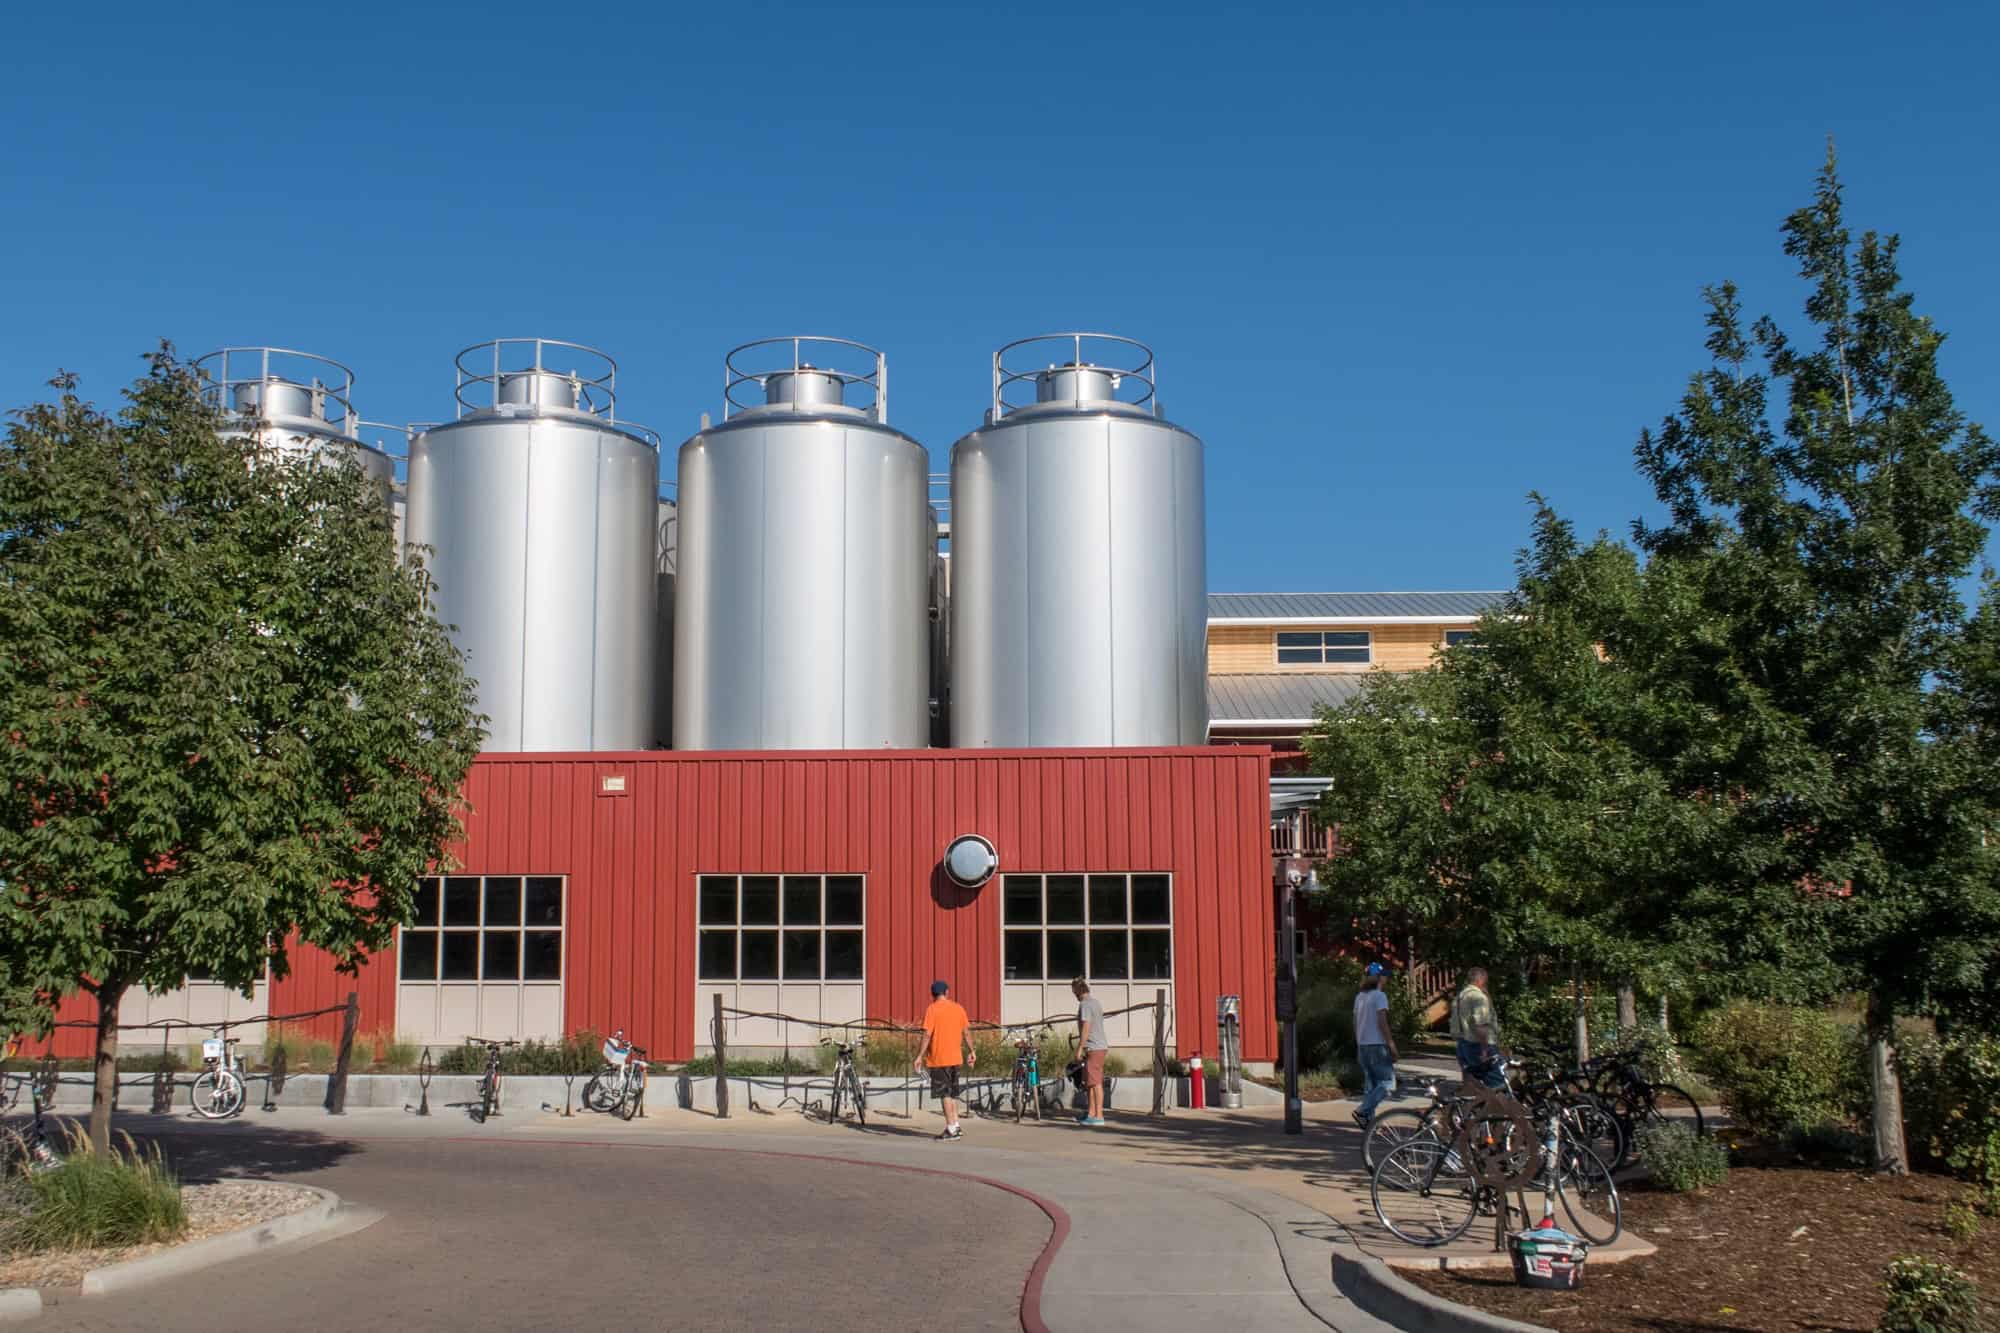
(1680, 1159)
(125, 1197)
(1929, 1297)
(800, 1064)
(1951, 1103)
(1961, 1222)
(1544, 1018)
(1776, 1067)
(1829, 1143)
(1327, 987)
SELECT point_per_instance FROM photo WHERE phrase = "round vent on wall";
(970, 860)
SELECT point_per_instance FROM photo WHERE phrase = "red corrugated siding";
(632, 860)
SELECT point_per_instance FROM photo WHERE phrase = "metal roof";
(1278, 697)
(1352, 605)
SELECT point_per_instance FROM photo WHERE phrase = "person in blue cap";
(1374, 1044)
(947, 1044)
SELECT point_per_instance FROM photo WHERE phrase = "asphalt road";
(497, 1235)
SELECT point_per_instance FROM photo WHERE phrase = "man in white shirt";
(1373, 1044)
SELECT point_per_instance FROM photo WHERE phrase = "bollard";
(1197, 1083)
(721, 1045)
(1160, 1051)
(336, 1087)
(274, 1082)
(425, 1072)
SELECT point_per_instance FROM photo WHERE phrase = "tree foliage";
(1759, 754)
(228, 719)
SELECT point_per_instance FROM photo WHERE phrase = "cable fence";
(796, 1081)
(47, 1074)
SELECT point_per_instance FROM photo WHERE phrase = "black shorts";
(944, 1081)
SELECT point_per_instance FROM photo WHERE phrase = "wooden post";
(1160, 1051)
(336, 1087)
(721, 1044)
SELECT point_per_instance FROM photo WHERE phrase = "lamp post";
(1288, 998)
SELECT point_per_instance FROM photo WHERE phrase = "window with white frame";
(1104, 927)
(484, 928)
(780, 927)
(1323, 647)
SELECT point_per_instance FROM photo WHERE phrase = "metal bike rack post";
(426, 1071)
(1229, 1050)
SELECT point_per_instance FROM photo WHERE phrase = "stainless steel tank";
(294, 403)
(1078, 557)
(540, 509)
(800, 615)
(668, 551)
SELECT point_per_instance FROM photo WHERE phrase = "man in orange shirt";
(946, 1036)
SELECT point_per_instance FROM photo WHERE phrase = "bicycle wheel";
(1589, 1123)
(1423, 1194)
(1389, 1128)
(1589, 1195)
(217, 1095)
(486, 1099)
(1665, 1102)
(634, 1095)
(1020, 1095)
(860, 1096)
(603, 1093)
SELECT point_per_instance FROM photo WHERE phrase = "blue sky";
(1401, 263)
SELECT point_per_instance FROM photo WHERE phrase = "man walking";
(1477, 1029)
(1374, 1046)
(947, 1044)
(1090, 1040)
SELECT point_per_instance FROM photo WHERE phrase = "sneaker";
(1092, 1120)
(1360, 1119)
(953, 1132)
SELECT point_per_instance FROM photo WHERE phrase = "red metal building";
(629, 888)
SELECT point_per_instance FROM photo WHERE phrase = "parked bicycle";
(1618, 1080)
(620, 1085)
(220, 1089)
(1428, 1190)
(1027, 1081)
(848, 1091)
(33, 1147)
(489, 1081)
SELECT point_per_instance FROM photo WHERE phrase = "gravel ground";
(211, 1209)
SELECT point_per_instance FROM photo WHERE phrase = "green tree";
(1825, 550)
(230, 720)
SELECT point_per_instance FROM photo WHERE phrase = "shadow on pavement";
(202, 1152)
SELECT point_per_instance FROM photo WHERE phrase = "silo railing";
(263, 383)
(750, 370)
(1119, 360)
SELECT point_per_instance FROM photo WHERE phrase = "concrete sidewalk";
(1194, 1220)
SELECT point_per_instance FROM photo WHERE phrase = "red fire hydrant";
(1197, 1083)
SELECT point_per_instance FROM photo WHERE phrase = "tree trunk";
(1582, 1018)
(1891, 1157)
(1663, 1014)
(1628, 1005)
(105, 1089)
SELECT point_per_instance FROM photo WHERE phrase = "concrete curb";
(318, 1216)
(1291, 1226)
(1376, 1288)
(19, 1303)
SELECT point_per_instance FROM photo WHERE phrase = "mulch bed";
(212, 1210)
(1780, 1247)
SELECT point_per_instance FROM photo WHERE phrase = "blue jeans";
(1380, 1072)
(1480, 1061)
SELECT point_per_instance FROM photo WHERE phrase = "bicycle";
(1618, 1081)
(33, 1146)
(620, 1085)
(489, 1080)
(1027, 1081)
(1428, 1191)
(219, 1091)
(847, 1087)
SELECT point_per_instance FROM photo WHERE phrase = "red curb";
(1031, 1292)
